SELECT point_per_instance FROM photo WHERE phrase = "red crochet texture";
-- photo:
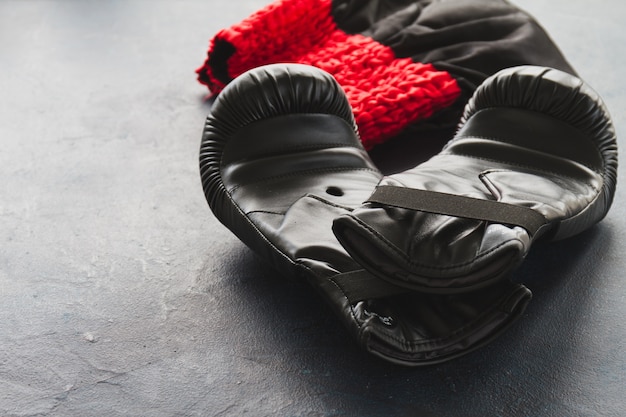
(386, 93)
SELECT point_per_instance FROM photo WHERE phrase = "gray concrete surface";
(121, 295)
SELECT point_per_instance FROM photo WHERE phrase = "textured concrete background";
(121, 295)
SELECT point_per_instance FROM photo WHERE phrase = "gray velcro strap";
(459, 206)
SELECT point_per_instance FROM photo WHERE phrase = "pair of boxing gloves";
(414, 264)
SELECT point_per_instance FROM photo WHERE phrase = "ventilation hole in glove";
(336, 191)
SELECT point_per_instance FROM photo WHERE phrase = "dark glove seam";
(283, 151)
(298, 174)
(594, 188)
(495, 139)
(316, 197)
(278, 213)
(556, 174)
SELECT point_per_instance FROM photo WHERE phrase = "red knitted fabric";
(386, 93)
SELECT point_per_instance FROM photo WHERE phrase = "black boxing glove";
(535, 157)
(279, 160)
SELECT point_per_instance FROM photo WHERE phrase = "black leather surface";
(281, 197)
(121, 295)
(531, 137)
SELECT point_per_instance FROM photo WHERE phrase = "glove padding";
(279, 160)
(535, 157)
